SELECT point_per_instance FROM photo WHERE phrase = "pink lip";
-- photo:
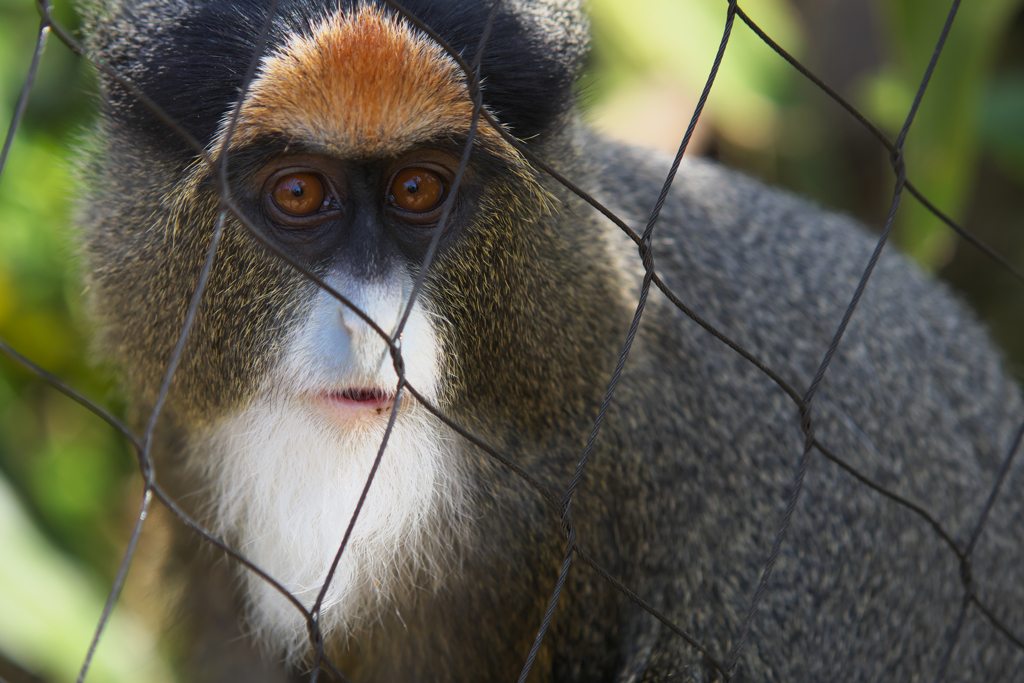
(354, 401)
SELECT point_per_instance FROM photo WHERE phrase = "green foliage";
(773, 120)
(74, 466)
(49, 607)
(1002, 122)
(676, 40)
(944, 142)
(71, 470)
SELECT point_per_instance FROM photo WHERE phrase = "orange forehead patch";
(361, 83)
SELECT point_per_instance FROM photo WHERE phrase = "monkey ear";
(561, 25)
(531, 58)
(188, 56)
(544, 89)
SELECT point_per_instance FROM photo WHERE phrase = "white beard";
(286, 479)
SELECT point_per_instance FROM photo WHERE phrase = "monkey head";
(344, 158)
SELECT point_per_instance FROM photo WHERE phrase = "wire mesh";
(560, 503)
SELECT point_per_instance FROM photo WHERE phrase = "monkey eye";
(300, 194)
(416, 190)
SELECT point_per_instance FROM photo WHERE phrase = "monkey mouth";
(360, 401)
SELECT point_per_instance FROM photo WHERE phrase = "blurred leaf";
(34, 246)
(70, 467)
(1002, 122)
(45, 337)
(73, 480)
(49, 608)
(6, 297)
(676, 41)
(942, 147)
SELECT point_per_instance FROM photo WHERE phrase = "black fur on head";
(193, 59)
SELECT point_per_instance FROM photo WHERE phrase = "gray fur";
(916, 399)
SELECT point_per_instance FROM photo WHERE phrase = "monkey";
(345, 172)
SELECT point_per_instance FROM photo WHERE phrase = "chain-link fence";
(803, 399)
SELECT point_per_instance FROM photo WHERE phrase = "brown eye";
(299, 194)
(417, 190)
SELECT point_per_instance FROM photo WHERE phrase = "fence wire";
(560, 502)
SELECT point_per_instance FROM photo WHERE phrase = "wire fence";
(560, 502)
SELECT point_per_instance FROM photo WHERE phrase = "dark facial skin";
(359, 214)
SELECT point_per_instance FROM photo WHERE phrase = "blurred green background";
(68, 488)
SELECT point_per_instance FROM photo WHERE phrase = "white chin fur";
(286, 476)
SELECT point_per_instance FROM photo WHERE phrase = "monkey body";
(278, 408)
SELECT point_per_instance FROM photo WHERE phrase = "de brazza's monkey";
(345, 152)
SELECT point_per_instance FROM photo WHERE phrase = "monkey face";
(364, 225)
(347, 98)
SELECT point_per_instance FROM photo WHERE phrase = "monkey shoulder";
(776, 274)
(916, 398)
